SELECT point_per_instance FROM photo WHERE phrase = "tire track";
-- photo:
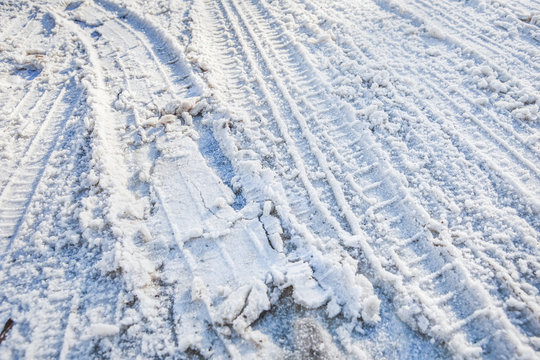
(126, 47)
(49, 261)
(468, 45)
(381, 192)
(291, 149)
(494, 123)
(117, 203)
(514, 94)
(319, 244)
(526, 164)
(166, 51)
(50, 331)
(303, 135)
(437, 116)
(17, 194)
(458, 24)
(44, 179)
(135, 87)
(460, 270)
(29, 128)
(512, 286)
(120, 49)
(487, 132)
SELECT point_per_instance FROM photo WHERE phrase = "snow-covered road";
(297, 179)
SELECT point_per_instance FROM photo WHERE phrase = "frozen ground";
(296, 179)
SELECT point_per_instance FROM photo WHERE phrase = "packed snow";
(270, 179)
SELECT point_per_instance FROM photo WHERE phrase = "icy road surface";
(270, 179)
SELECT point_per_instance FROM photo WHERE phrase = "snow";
(269, 179)
(102, 330)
